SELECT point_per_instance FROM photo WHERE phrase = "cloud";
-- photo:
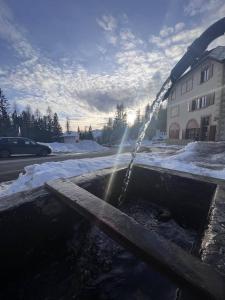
(11, 32)
(112, 39)
(196, 7)
(208, 12)
(166, 31)
(139, 68)
(107, 22)
(71, 89)
(179, 26)
(128, 40)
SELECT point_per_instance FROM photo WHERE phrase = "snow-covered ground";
(82, 146)
(198, 158)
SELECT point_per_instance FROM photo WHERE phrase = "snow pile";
(4, 186)
(36, 175)
(194, 158)
(82, 146)
(209, 152)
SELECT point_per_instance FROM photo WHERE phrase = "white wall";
(70, 139)
(199, 89)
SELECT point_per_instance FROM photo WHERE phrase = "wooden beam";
(167, 257)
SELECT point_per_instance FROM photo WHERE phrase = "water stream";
(153, 110)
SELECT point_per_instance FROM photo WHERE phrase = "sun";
(131, 116)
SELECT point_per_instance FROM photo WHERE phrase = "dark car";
(18, 145)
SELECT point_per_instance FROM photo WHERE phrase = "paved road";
(11, 167)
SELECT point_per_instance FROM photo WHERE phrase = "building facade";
(196, 101)
(70, 138)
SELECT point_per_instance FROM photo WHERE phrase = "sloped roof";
(71, 133)
(218, 53)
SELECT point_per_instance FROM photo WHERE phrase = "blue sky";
(83, 57)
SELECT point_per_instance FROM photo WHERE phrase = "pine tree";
(119, 124)
(5, 124)
(57, 129)
(151, 130)
(35, 126)
(114, 130)
(106, 132)
(120, 117)
(26, 122)
(162, 119)
(147, 112)
(134, 130)
(90, 133)
(68, 125)
(15, 122)
(49, 120)
(3, 105)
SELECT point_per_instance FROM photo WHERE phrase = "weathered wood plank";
(159, 252)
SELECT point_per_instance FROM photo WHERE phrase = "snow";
(207, 159)
(82, 146)
(36, 175)
(4, 185)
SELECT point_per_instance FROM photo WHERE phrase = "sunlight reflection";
(115, 166)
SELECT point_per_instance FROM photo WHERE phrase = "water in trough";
(123, 275)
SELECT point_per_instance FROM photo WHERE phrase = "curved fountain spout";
(197, 48)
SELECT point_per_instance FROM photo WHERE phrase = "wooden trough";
(61, 202)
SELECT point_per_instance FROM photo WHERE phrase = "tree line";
(117, 127)
(33, 125)
(83, 134)
(46, 128)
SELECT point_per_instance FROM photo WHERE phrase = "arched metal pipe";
(197, 48)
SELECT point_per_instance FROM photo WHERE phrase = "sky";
(83, 57)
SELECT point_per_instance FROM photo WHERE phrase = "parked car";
(19, 145)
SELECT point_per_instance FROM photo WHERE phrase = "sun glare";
(131, 117)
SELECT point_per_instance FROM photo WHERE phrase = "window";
(28, 142)
(187, 86)
(3, 140)
(21, 142)
(206, 121)
(204, 101)
(194, 105)
(174, 131)
(173, 95)
(14, 141)
(183, 88)
(192, 134)
(174, 111)
(192, 131)
(201, 102)
(206, 73)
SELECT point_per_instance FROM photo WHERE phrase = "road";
(11, 167)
